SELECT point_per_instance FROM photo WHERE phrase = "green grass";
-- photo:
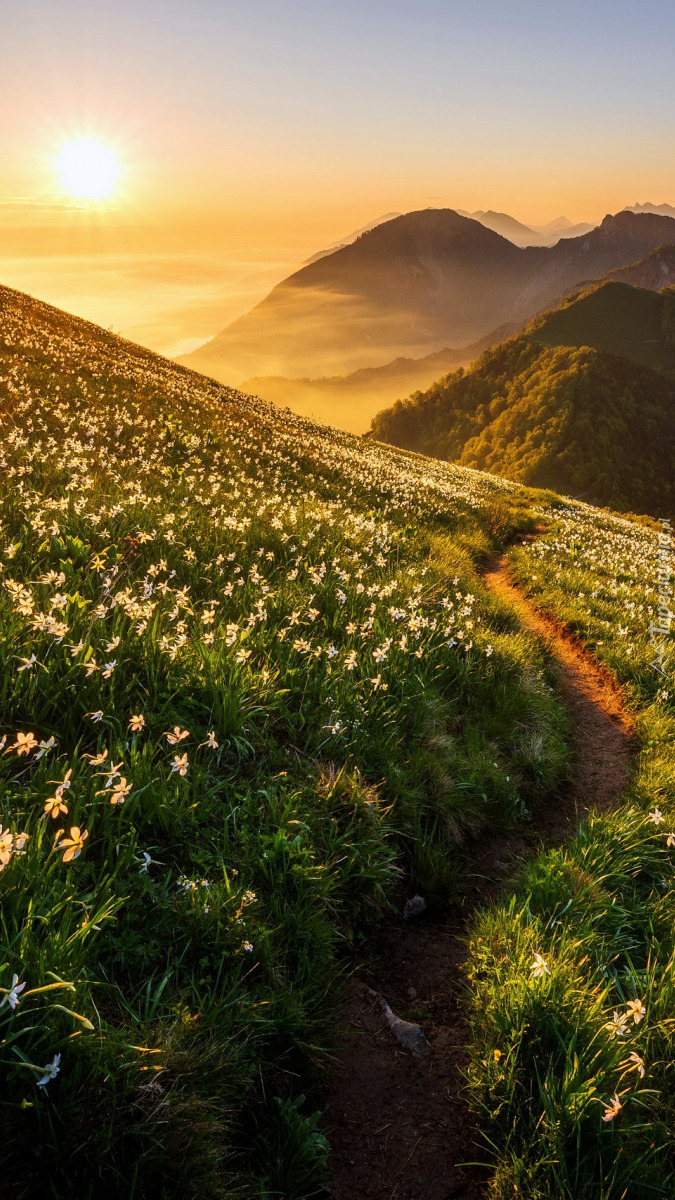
(185, 571)
(613, 317)
(547, 1056)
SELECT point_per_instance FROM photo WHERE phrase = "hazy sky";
(252, 134)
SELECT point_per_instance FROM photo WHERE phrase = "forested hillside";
(556, 407)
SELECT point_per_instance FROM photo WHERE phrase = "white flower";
(112, 773)
(50, 1071)
(617, 1026)
(180, 764)
(613, 1109)
(539, 967)
(636, 1010)
(12, 995)
(45, 747)
(177, 736)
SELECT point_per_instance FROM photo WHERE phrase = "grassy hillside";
(554, 408)
(250, 679)
(617, 318)
(572, 1065)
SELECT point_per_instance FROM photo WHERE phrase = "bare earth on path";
(399, 1126)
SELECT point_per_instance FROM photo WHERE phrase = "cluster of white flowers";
(151, 520)
(607, 566)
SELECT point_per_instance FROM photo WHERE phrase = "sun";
(87, 169)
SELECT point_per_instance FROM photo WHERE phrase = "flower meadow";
(573, 976)
(250, 681)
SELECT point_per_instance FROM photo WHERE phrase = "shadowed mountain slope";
(352, 401)
(656, 271)
(412, 286)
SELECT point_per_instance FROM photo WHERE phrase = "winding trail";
(399, 1126)
(602, 729)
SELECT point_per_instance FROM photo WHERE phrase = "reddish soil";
(400, 1127)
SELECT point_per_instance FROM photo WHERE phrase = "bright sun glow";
(87, 169)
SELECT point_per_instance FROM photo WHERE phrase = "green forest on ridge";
(582, 401)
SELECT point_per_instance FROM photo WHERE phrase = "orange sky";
(251, 136)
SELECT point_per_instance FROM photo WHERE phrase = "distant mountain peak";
(558, 223)
(627, 221)
(661, 210)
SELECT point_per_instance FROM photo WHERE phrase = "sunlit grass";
(249, 678)
(572, 1066)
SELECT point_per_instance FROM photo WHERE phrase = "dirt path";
(400, 1129)
(602, 729)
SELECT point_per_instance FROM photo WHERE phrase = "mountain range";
(413, 286)
(352, 400)
(664, 210)
(526, 235)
